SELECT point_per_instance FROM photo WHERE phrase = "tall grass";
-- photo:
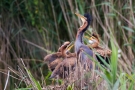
(31, 29)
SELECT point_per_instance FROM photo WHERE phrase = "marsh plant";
(31, 29)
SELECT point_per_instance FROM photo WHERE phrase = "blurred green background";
(30, 29)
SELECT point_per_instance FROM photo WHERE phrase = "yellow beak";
(89, 38)
(83, 19)
(69, 46)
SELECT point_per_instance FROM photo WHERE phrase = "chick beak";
(69, 46)
(83, 19)
(91, 40)
(86, 37)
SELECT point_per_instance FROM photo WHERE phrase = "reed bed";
(30, 29)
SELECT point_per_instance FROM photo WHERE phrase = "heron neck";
(64, 53)
(79, 36)
(78, 41)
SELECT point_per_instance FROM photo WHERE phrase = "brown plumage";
(99, 51)
(53, 60)
(94, 43)
(63, 69)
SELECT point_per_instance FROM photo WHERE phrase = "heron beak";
(83, 19)
(69, 46)
(90, 40)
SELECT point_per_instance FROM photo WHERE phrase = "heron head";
(68, 48)
(65, 47)
(86, 19)
(94, 40)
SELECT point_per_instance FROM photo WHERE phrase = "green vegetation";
(30, 29)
